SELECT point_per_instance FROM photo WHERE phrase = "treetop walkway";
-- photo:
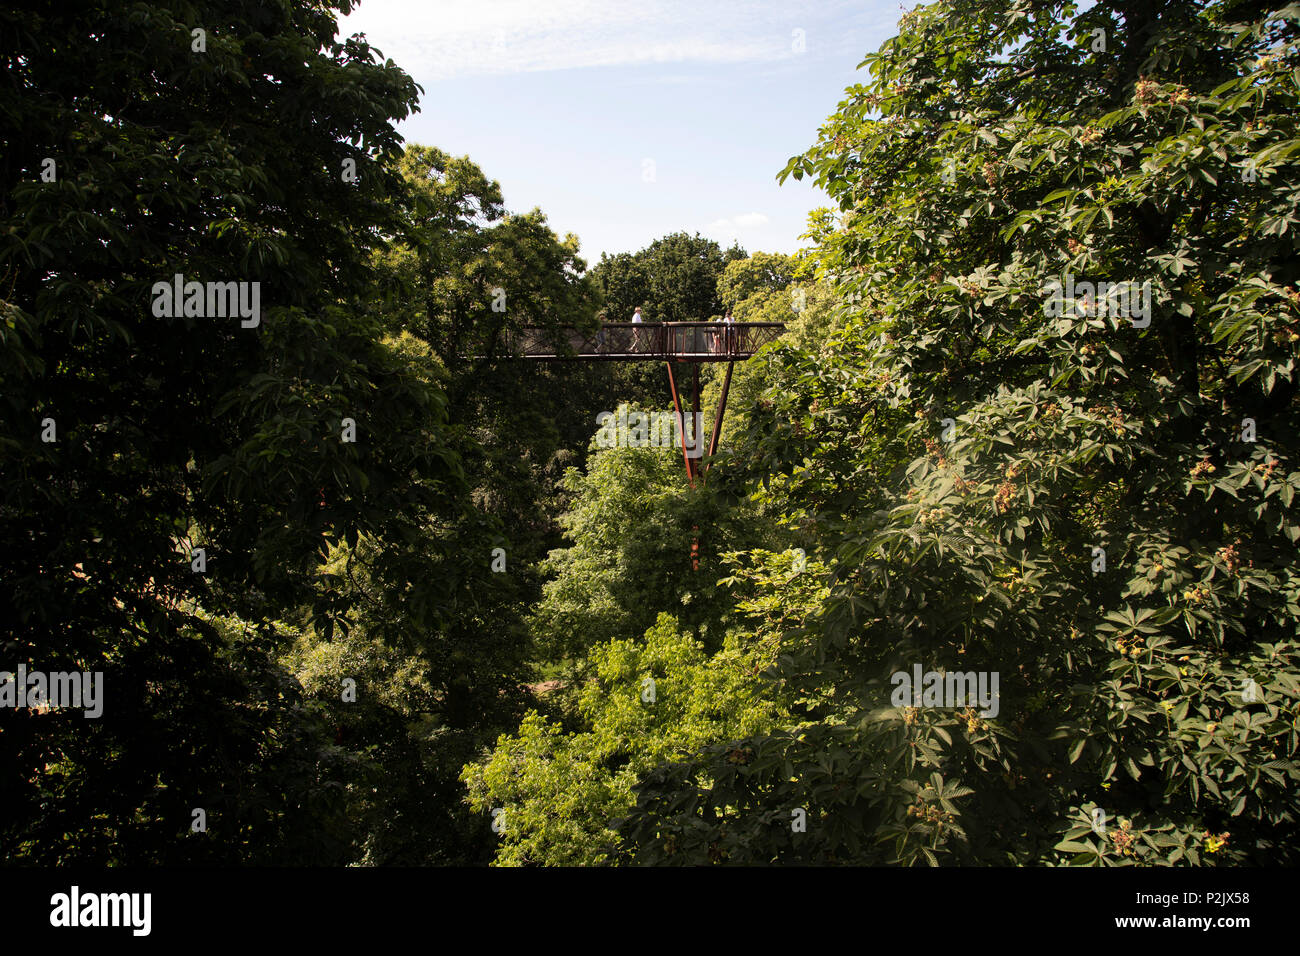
(648, 341)
(669, 342)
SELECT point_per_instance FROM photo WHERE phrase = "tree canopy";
(995, 565)
(1092, 502)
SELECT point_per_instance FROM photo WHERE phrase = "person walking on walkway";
(636, 333)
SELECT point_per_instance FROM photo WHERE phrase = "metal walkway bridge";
(648, 341)
(668, 342)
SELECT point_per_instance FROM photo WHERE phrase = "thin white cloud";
(440, 39)
(735, 229)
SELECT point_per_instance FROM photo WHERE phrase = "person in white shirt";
(636, 333)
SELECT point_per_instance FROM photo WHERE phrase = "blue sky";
(625, 121)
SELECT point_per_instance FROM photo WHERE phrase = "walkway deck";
(649, 341)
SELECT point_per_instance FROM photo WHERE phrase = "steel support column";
(681, 424)
(696, 438)
(717, 418)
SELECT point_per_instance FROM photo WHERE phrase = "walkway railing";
(663, 341)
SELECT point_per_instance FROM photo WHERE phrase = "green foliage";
(217, 725)
(992, 151)
(515, 425)
(940, 465)
(467, 272)
(181, 433)
(463, 276)
(674, 279)
(761, 272)
(642, 702)
(410, 731)
(808, 310)
(631, 524)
